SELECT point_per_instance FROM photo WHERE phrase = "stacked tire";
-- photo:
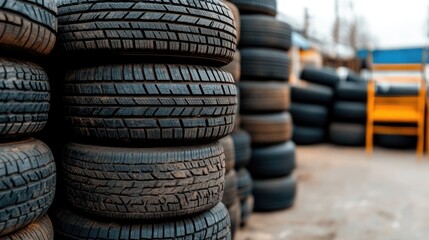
(145, 162)
(349, 114)
(264, 103)
(311, 103)
(27, 167)
(237, 152)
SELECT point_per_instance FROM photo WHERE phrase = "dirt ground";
(345, 195)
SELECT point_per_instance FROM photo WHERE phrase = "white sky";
(394, 23)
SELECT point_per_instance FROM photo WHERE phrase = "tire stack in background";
(145, 161)
(264, 103)
(231, 197)
(27, 167)
(311, 104)
(349, 114)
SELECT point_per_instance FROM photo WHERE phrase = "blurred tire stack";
(311, 104)
(349, 114)
(264, 104)
(27, 167)
(147, 116)
(231, 198)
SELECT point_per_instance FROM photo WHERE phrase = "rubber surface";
(144, 183)
(395, 141)
(41, 229)
(231, 189)
(312, 94)
(264, 97)
(213, 224)
(229, 150)
(264, 64)
(266, 32)
(352, 91)
(24, 98)
(308, 135)
(28, 26)
(310, 115)
(273, 161)
(350, 112)
(234, 67)
(347, 134)
(237, 19)
(397, 89)
(268, 129)
(155, 104)
(274, 194)
(243, 148)
(246, 209)
(245, 184)
(235, 216)
(325, 76)
(27, 183)
(200, 30)
(268, 7)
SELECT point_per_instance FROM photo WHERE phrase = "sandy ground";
(345, 195)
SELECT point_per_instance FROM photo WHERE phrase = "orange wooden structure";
(396, 109)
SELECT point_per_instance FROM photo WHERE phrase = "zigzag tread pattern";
(151, 102)
(24, 98)
(28, 178)
(185, 29)
(29, 25)
(211, 225)
(153, 183)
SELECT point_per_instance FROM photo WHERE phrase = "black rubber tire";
(265, 32)
(243, 148)
(325, 76)
(310, 115)
(28, 178)
(312, 94)
(308, 135)
(264, 64)
(24, 98)
(350, 112)
(234, 67)
(347, 134)
(352, 91)
(154, 183)
(230, 194)
(213, 224)
(235, 216)
(245, 184)
(397, 89)
(274, 194)
(229, 150)
(193, 30)
(247, 209)
(273, 161)
(268, 7)
(260, 97)
(268, 129)
(40, 229)
(355, 78)
(237, 18)
(154, 104)
(28, 26)
(396, 141)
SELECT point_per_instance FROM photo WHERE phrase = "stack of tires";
(146, 162)
(311, 105)
(27, 167)
(265, 101)
(238, 184)
(349, 114)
